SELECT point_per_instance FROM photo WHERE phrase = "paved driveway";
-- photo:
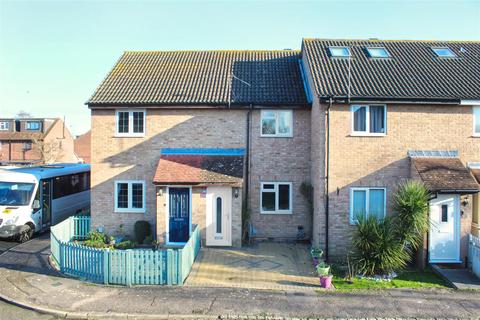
(265, 265)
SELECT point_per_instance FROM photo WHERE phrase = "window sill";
(275, 136)
(359, 134)
(118, 135)
(129, 211)
(476, 136)
(276, 212)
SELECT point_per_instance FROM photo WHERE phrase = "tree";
(49, 150)
(23, 114)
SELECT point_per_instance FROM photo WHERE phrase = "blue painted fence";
(124, 267)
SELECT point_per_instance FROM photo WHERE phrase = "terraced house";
(216, 138)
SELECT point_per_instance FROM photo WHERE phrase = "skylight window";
(341, 52)
(378, 52)
(444, 52)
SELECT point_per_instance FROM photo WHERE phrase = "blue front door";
(179, 215)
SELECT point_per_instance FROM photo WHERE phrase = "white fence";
(474, 254)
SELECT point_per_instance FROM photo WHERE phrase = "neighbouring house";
(218, 138)
(386, 111)
(35, 140)
(81, 146)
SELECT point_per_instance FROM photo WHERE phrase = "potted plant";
(323, 269)
(326, 281)
(316, 253)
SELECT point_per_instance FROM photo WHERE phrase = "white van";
(34, 198)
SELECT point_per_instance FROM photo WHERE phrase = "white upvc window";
(367, 201)
(4, 125)
(476, 121)
(276, 198)
(276, 123)
(129, 196)
(130, 122)
(369, 120)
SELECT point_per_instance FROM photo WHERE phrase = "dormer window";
(4, 126)
(444, 52)
(378, 52)
(33, 125)
(339, 52)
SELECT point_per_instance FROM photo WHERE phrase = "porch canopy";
(200, 167)
(443, 172)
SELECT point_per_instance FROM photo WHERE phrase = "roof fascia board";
(347, 100)
(470, 102)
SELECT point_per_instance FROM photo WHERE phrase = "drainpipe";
(247, 158)
(327, 175)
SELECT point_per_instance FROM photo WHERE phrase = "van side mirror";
(36, 204)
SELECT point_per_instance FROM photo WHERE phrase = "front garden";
(383, 249)
(98, 257)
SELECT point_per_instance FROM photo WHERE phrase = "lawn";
(410, 278)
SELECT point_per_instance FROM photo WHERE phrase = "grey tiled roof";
(203, 77)
(412, 71)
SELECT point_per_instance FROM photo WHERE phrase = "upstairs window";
(33, 125)
(4, 126)
(130, 123)
(276, 123)
(444, 52)
(341, 52)
(366, 202)
(378, 52)
(369, 119)
(476, 121)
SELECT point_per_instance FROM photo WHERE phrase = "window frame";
(377, 57)
(30, 122)
(276, 134)
(129, 208)
(276, 191)
(475, 119)
(330, 52)
(130, 132)
(352, 219)
(4, 125)
(443, 48)
(367, 122)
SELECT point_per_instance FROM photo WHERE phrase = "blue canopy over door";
(179, 215)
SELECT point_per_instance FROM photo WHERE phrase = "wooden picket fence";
(474, 254)
(124, 267)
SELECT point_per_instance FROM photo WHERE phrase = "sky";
(53, 54)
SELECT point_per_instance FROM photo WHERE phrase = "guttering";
(187, 105)
(408, 100)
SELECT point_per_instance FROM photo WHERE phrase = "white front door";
(444, 235)
(219, 216)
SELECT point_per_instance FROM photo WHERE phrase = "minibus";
(34, 198)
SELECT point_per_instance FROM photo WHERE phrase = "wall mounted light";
(236, 192)
(465, 201)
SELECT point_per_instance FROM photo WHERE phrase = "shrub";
(148, 240)
(124, 245)
(410, 204)
(142, 230)
(96, 239)
(376, 246)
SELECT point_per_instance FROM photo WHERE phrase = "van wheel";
(25, 234)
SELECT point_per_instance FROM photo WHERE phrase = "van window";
(15, 193)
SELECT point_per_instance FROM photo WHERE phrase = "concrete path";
(459, 278)
(265, 265)
(27, 280)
